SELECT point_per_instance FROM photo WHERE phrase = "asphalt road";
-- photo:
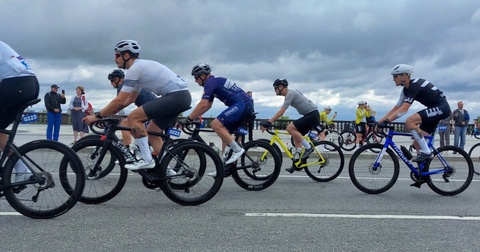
(294, 214)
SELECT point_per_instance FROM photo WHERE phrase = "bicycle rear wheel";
(474, 154)
(458, 171)
(62, 181)
(349, 137)
(258, 168)
(334, 162)
(199, 175)
(105, 179)
(368, 177)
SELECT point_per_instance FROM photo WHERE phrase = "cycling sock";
(306, 144)
(20, 167)
(144, 149)
(421, 141)
(235, 146)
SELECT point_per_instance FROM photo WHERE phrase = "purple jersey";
(225, 90)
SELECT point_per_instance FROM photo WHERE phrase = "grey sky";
(335, 52)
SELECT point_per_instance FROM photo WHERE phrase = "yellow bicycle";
(326, 161)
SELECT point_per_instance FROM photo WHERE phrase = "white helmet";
(361, 102)
(401, 69)
(128, 45)
(327, 108)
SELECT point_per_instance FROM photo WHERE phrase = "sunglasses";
(396, 75)
(196, 77)
(117, 55)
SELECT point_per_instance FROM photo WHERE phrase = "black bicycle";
(105, 165)
(257, 169)
(54, 179)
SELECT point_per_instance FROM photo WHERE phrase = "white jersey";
(152, 76)
(11, 64)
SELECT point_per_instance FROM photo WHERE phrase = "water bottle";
(405, 152)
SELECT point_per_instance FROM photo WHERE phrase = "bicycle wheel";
(277, 150)
(105, 179)
(62, 180)
(199, 176)
(373, 138)
(368, 178)
(458, 171)
(334, 137)
(349, 137)
(258, 168)
(334, 162)
(474, 154)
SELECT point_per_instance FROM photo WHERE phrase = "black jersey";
(422, 91)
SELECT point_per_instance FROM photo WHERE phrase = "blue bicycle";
(446, 174)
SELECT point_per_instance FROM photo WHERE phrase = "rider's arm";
(277, 115)
(122, 100)
(203, 106)
(396, 112)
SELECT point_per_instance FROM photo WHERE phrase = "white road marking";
(9, 213)
(365, 216)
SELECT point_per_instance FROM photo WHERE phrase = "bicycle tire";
(264, 169)
(373, 138)
(333, 166)
(474, 154)
(63, 175)
(277, 150)
(349, 139)
(192, 185)
(106, 183)
(370, 180)
(334, 137)
(454, 181)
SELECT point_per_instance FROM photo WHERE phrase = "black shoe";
(418, 183)
(306, 154)
(291, 169)
(422, 157)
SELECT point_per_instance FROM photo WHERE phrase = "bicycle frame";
(418, 172)
(276, 138)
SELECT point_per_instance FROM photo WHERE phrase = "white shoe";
(127, 160)
(141, 164)
(170, 172)
(235, 156)
(225, 152)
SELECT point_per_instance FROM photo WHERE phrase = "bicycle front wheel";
(369, 176)
(474, 154)
(333, 163)
(456, 171)
(199, 175)
(348, 137)
(62, 180)
(258, 168)
(104, 169)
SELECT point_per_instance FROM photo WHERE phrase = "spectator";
(360, 122)
(78, 106)
(324, 121)
(461, 119)
(54, 111)
(444, 128)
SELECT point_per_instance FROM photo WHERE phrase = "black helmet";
(279, 82)
(116, 73)
(201, 68)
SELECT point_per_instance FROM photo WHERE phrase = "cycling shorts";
(432, 116)
(164, 110)
(232, 117)
(15, 92)
(307, 122)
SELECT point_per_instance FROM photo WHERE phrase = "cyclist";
(154, 77)
(116, 78)
(325, 121)
(18, 85)
(239, 103)
(425, 121)
(360, 122)
(299, 127)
